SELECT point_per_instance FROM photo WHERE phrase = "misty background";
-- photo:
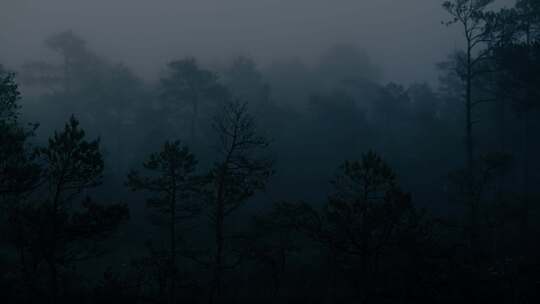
(297, 151)
(404, 38)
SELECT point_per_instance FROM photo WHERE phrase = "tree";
(9, 96)
(469, 15)
(79, 63)
(78, 66)
(18, 173)
(269, 243)
(516, 53)
(173, 182)
(189, 85)
(365, 211)
(238, 174)
(68, 231)
(469, 66)
(364, 221)
(107, 97)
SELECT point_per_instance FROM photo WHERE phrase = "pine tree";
(175, 187)
(68, 224)
(240, 172)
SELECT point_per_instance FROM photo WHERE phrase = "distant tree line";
(275, 193)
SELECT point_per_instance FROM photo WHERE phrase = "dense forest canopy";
(294, 180)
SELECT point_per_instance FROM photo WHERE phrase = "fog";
(259, 151)
(406, 38)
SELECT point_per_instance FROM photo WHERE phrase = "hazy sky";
(404, 36)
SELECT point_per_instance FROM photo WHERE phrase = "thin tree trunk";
(52, 254)
(218, 270)
(524, 222)
(502, 143)
(172, 270)
(219, 239)
(524, 225)
(470, 197)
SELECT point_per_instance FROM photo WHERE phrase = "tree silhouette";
(68, 232)
(360, 238)
(270, 242)
(171, 178)
(516, 53)
(9, 96)
(469, 66)
(18, 173)
(189, 85)
(79, 63)
(363, 221)
(238, 174)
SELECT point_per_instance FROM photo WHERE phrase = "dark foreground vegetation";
(287, 184)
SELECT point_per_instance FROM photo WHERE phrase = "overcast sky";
(405, 37)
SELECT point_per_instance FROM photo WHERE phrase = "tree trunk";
(172, 269)
(218, 267)
(524, 222)
(52, 254)
(219, 239)
(470, 197)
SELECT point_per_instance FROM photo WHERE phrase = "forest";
(288, 182)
